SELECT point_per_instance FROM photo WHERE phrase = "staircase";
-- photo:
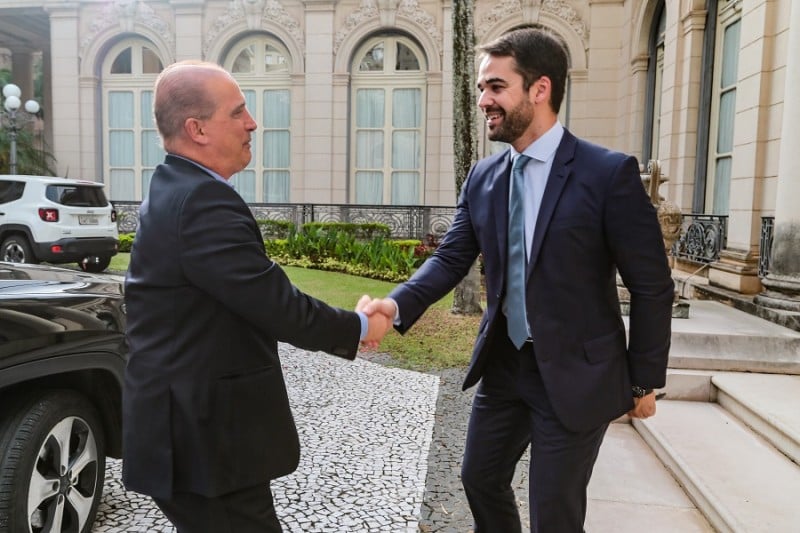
(728, 429)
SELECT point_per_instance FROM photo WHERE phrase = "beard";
(514, 123)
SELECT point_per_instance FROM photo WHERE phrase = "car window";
(10, 191)
(77, 195)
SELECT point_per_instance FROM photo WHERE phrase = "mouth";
(493, 117)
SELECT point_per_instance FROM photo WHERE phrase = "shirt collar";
(543, 148)
(213, 174)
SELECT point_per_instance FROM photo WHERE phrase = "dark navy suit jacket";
(205, 406)
(595, 218)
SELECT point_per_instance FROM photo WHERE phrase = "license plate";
(88, 220)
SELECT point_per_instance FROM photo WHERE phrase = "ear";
(540, 90)
(194, 129)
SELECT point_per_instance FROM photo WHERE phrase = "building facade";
(353, 100)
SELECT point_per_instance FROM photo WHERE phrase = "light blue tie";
(515, 276)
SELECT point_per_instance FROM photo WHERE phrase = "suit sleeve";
(222, 253)
(443, 270)
(636, 242)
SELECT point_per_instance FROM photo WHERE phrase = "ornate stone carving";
(370, 9)
(255, 13)
(252, 13)
(126, 14)
(410, 9)
(531, 11)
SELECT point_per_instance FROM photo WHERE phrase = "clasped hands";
(380, 318)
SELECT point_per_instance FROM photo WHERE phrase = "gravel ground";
(444, 506)
(398, 472)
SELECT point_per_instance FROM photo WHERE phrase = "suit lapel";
(499, 213)
(559, 174)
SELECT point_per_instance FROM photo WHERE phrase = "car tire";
(39, 490)
(94, 263)
(15, 249)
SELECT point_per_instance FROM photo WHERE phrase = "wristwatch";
(640, 392)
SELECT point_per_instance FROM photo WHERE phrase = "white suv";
(58, 220)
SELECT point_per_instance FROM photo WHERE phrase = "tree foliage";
(32, 157)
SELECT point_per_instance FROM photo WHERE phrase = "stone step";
(737, 479)
(768, 403)
(720, 337)
(631, 490)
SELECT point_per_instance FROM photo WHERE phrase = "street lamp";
(12, 104)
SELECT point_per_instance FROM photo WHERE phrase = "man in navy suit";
(206, 414)
(551, 353)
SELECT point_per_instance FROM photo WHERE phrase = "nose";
(483, 100)
(251, 123)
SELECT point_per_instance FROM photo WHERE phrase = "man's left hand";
(643, 407)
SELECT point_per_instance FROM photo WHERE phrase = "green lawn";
(439, 339)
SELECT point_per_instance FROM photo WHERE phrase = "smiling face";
(513, 114)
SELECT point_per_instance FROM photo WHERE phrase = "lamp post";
(12, 103)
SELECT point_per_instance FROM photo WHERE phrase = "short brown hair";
(536, 52)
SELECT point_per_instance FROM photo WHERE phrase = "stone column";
(188, 30)
(22, 73)
(781, 293)
(64, 114)
(318, 133)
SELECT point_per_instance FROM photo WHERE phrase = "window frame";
(728, 14)
(258, 83)
(137, 83)
(388, 80)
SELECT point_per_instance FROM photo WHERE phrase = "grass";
(438, 340)
(119, 262)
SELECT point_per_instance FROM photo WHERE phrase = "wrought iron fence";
(702, 237)
(405, 222)
(765, 248)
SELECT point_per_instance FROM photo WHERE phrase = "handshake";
(380, 313)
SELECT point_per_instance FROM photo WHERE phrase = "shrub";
(126, 241)
(365, 231)
(331, 247)
(275, 229)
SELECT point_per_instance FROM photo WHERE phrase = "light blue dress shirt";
(542, 153)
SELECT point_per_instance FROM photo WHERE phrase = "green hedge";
(125, 242)
(275, 229)
(366, 231)
(358, 249)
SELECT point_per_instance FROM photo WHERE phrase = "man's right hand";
(379, 322)
(384, 306)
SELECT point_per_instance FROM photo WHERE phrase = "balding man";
(207, 422)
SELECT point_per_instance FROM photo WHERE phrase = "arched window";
(655, 77)
(723, 107)
(131, 146)
(261, 66)
(388, 125)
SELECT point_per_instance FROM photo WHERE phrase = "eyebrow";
(239, 108)
(492, 81)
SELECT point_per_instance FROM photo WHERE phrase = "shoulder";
(492, 161)
(584, 148)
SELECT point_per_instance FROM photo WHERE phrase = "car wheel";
(52, 465)
(16, 249)
(94, 263)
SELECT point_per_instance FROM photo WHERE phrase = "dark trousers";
(510, 411)
(248, 510)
